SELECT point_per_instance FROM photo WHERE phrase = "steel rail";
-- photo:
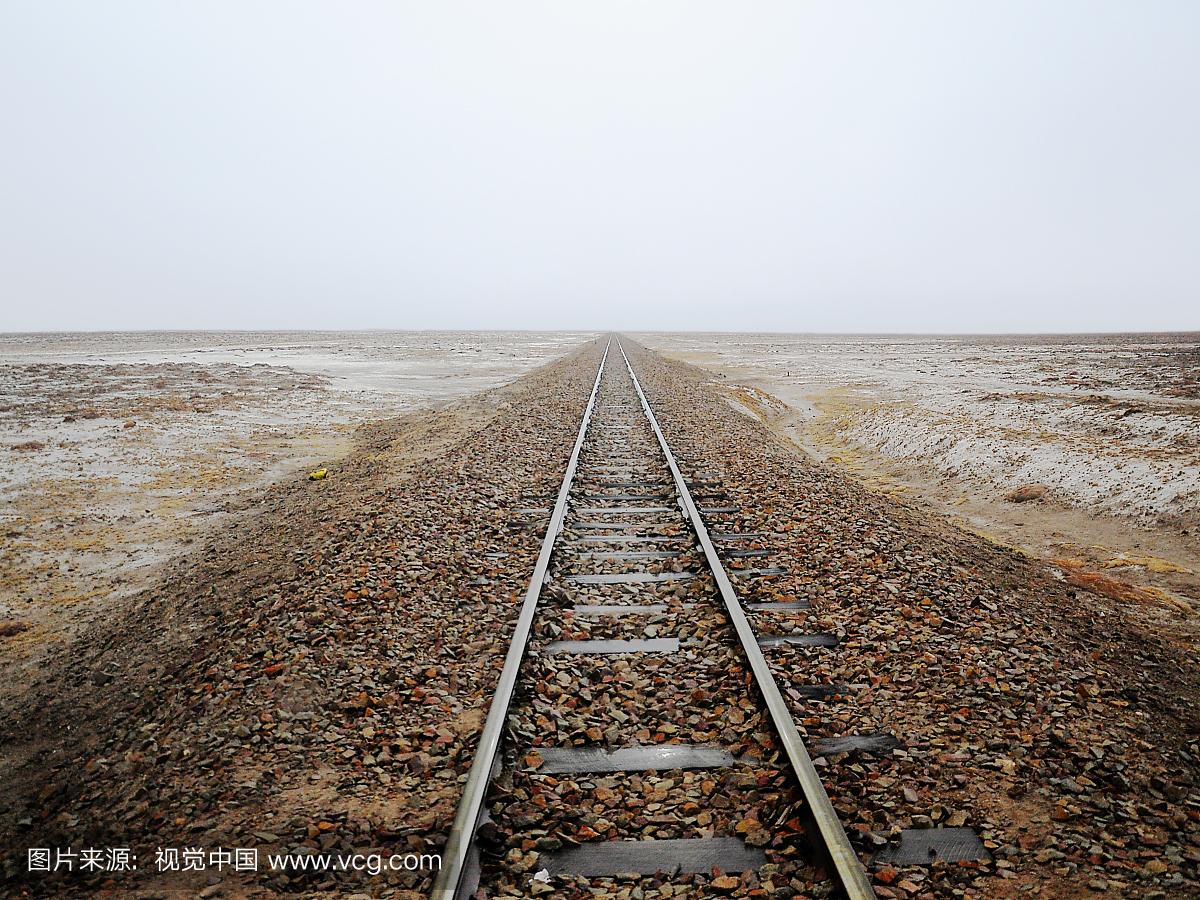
(450, 883)
(849, 871)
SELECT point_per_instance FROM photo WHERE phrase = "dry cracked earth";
(314, 680)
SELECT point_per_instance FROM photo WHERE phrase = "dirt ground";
(120, 451)
(1105, 430)
(311, 677)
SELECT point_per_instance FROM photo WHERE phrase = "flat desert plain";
(119, 450)
(1080, 449)
(227, 702)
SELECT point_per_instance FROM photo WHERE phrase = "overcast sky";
(957, 167)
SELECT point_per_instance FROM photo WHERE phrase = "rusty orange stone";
(726, 884)
(887, 874)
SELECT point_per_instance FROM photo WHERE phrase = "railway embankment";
(314, 680)
(311, 679)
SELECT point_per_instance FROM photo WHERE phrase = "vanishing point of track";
(625, 534)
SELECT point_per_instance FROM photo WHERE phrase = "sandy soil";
(1105, 429)
(118, 451)
(298, 680)
(220, 705)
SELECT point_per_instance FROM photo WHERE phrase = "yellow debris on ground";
(1151, 563)
(1116, 589)
(1070, 562)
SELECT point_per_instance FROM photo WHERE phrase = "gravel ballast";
(315, 679)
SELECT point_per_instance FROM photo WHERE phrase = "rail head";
(449, 884)
(847, 868)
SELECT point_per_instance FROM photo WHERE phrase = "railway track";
(636, 728)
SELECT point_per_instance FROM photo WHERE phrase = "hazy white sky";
(743, 166)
